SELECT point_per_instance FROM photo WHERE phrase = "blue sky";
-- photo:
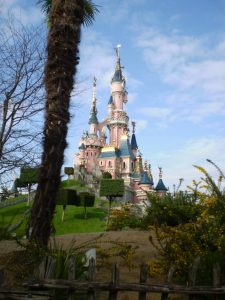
(173, 53)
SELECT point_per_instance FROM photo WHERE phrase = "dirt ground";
(143, 253)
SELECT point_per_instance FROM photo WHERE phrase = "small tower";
(149, 171)
(93, 120)
(134, 145)
(160, 188)
(117, 117)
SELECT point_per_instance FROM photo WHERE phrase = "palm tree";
(65, 18)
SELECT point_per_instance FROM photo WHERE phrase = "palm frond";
(90, 10)
(45, 6)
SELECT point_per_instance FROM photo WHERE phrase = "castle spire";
(93, 113)
(118, 70)
(160, 186)
(134, 145)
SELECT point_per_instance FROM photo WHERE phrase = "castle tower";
(134, 145)
(93, 120)
(93, 141)
(117, 117)
(160, 188)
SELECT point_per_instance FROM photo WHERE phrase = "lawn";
(74, 221)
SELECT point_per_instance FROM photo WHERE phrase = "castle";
(120, 157)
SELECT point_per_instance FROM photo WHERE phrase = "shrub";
(203, 237)
(123, 218)
(172, 210)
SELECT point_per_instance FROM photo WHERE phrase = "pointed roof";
(82, 147)
(118, 71)
(145, 179)
(133, 142)
(110, 100)
(93, 113)
(133, 137)
(160, 186)
(125, 147)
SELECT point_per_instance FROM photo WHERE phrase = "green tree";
(69, 171)
(111, 188)
(28, 177)
(65, 18)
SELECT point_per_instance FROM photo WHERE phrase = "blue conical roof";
(125, 148)
(93, 118)
(133, 142)
(118, 73)
(110, 100)
(160, 186)
(145, 179)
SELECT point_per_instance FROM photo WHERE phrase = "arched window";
(132, 166)
(87, 154)
(124, 165)
(91, 153)
(109, 164)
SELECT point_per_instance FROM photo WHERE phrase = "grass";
(12, 215)
(74, 221)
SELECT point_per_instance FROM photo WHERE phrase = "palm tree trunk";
(66, 18)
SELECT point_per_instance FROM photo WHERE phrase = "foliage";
(28, 176)
(106, 175)
(90, 10)
(123, 218)
(67, 196)
(112, 187)
(202, 237)
(172, 209)
(69, 171)
(11, 217)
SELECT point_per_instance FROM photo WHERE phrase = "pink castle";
(120, 157)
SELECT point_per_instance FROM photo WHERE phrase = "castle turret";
(134, 145)
(93, 120)
(118, 119)
(160, 188)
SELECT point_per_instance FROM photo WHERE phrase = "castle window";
(101, 163)
(132, 166)
(124, 165)
(109, 164)
(91, 153)
(87, 154)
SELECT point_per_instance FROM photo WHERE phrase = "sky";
(173, 54)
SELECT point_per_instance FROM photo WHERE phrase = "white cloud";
(195, 68)
(156, 112)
